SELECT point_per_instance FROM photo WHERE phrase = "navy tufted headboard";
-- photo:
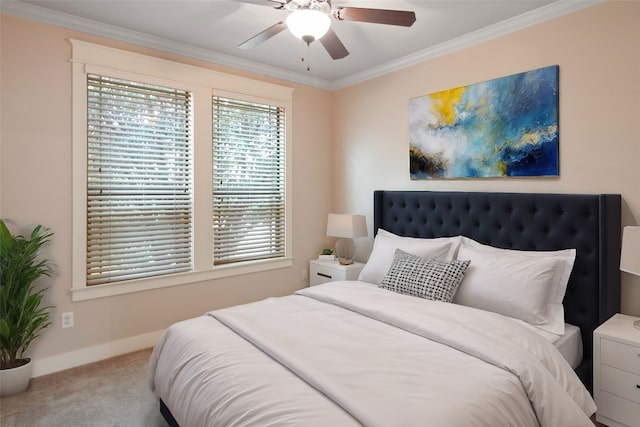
(527, 221)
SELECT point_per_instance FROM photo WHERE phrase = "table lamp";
(346, 227)
(630, 255)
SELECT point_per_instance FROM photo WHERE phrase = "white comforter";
(348, 353)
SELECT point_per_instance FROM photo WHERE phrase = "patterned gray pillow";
(423, 277)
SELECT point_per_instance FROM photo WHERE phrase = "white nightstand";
(327, 271)
(616, 372)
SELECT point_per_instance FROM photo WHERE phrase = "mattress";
(569, 344)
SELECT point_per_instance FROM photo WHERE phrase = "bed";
(356, 354)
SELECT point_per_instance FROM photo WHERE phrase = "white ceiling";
(212, 29)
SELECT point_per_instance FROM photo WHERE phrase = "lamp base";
(636, 324)
(344, 251)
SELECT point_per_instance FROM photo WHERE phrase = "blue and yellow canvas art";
(505, 127)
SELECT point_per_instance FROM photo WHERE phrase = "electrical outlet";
(67, 319)
(305, 274)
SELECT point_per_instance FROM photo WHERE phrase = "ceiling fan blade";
(277, 4)
(377, 16)
(333, 45)
(263, 36)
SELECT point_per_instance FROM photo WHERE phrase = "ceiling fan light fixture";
(308, 24)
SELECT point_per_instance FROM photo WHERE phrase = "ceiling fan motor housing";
(323, 6)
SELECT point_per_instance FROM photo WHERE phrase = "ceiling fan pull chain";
(303, 60)
(308, 66)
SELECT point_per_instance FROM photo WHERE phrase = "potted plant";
(326, 255)
(22, 316)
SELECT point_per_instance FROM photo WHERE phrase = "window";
(153, 204)
(248, 181)
(139, 190)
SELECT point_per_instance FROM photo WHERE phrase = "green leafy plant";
(22, 318)
(326, 251)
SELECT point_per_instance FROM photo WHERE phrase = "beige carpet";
(113, 392)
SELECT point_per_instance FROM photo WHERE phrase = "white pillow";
(528, 285)
(386, 243)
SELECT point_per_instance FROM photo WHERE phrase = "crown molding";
(528, 19)
(545, 13)
(47, 16)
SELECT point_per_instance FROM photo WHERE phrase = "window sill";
(85, 293)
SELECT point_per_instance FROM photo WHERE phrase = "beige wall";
(35, 188)
(598, 51)
(346, 145)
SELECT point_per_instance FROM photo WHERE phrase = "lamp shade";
(630, 256)
(308, 23)
(346, 226)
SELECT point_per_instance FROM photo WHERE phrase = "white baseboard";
(94, 353)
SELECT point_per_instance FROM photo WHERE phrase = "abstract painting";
(505, 127)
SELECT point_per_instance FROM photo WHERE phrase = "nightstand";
(327, 271)
(616, 372)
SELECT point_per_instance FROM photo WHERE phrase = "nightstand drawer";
(323, 272)
(620, 355)
(620, 383)
(617, 410)
(323, 275)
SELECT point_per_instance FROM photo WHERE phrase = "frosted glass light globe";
(308, 25)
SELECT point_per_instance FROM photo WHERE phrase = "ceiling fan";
(310, 20)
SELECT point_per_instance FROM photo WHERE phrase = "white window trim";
(97, 59)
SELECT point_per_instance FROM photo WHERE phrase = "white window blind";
(248, 181)
(139, 180)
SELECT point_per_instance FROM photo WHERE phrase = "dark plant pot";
(15, 380)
